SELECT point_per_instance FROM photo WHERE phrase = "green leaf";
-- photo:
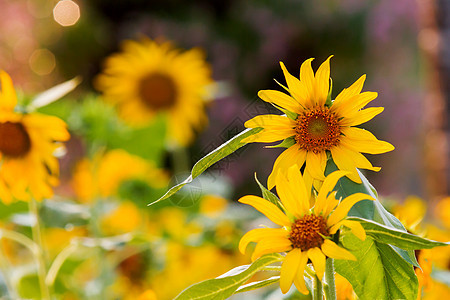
(395, 237)
(226, 285)
(286, 143)
(211, 158)
(368, 209)
(268, 195)
(257, 284)
(379, 271)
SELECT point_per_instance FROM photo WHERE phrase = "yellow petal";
(269, 209)
(290, 156)
(258, 234)
(281, 99)
(322, 82)
(328, 185)
(345, 162)
(318, 259)
(331, 203)
(355, 227)
(307, 78)
(296, 88)
(299, 279)
(297, 184)
(8, 98)
(332, 250)
(288, 196)
(289, 269)
(315, 163)
(269, 136)
(362, 116)
(272, 245)
(349, 92)
(343, 208)
(361, 140)
(270, 122)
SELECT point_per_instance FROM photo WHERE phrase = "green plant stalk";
(37, 237)
(317, 293)
(58, 262)
(330, 279)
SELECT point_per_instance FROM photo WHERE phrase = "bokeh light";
(42, 61)
(66, 13)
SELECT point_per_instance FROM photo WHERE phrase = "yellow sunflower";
(103, 175)
(316, 127)
(307, 230)
(147, 78)
(27, 146)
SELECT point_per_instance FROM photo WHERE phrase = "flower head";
(28, 143)
(148, 78)
(307, 230)
(317, 126)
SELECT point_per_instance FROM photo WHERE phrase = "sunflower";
(307, 230)
(314, 126)
(148, 78)
(103, 175)
(27, 146)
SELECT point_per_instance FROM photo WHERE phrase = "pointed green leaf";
(54, 93)
(367, 209)
(222, 151)
(286, 143)
(258, 284)
(379, 271)
(395, 237)
(268, 195)
(226, 285)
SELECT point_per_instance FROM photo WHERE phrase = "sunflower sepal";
(291, 115)
(268, 195)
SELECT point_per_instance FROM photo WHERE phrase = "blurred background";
(401, 45)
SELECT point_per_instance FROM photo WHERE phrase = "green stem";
(37, 237)
(317, 289)
(330, 279)
(58, 262)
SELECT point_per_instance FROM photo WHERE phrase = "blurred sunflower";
(314, 125)
(28, 143)
(147, 78)
(103, 175)
(306, 232)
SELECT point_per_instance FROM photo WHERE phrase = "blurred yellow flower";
(55, 239)
(411, 212)
(28, 143)
(442, 211)
(212, 205)
(306, 232)
(186, 265)
(124, 218)
(319, 127)
(102, 176)
(147, 78)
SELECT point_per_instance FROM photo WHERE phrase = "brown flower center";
(306, 232)
(158, 91)
(317, 130)
(14, 139)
